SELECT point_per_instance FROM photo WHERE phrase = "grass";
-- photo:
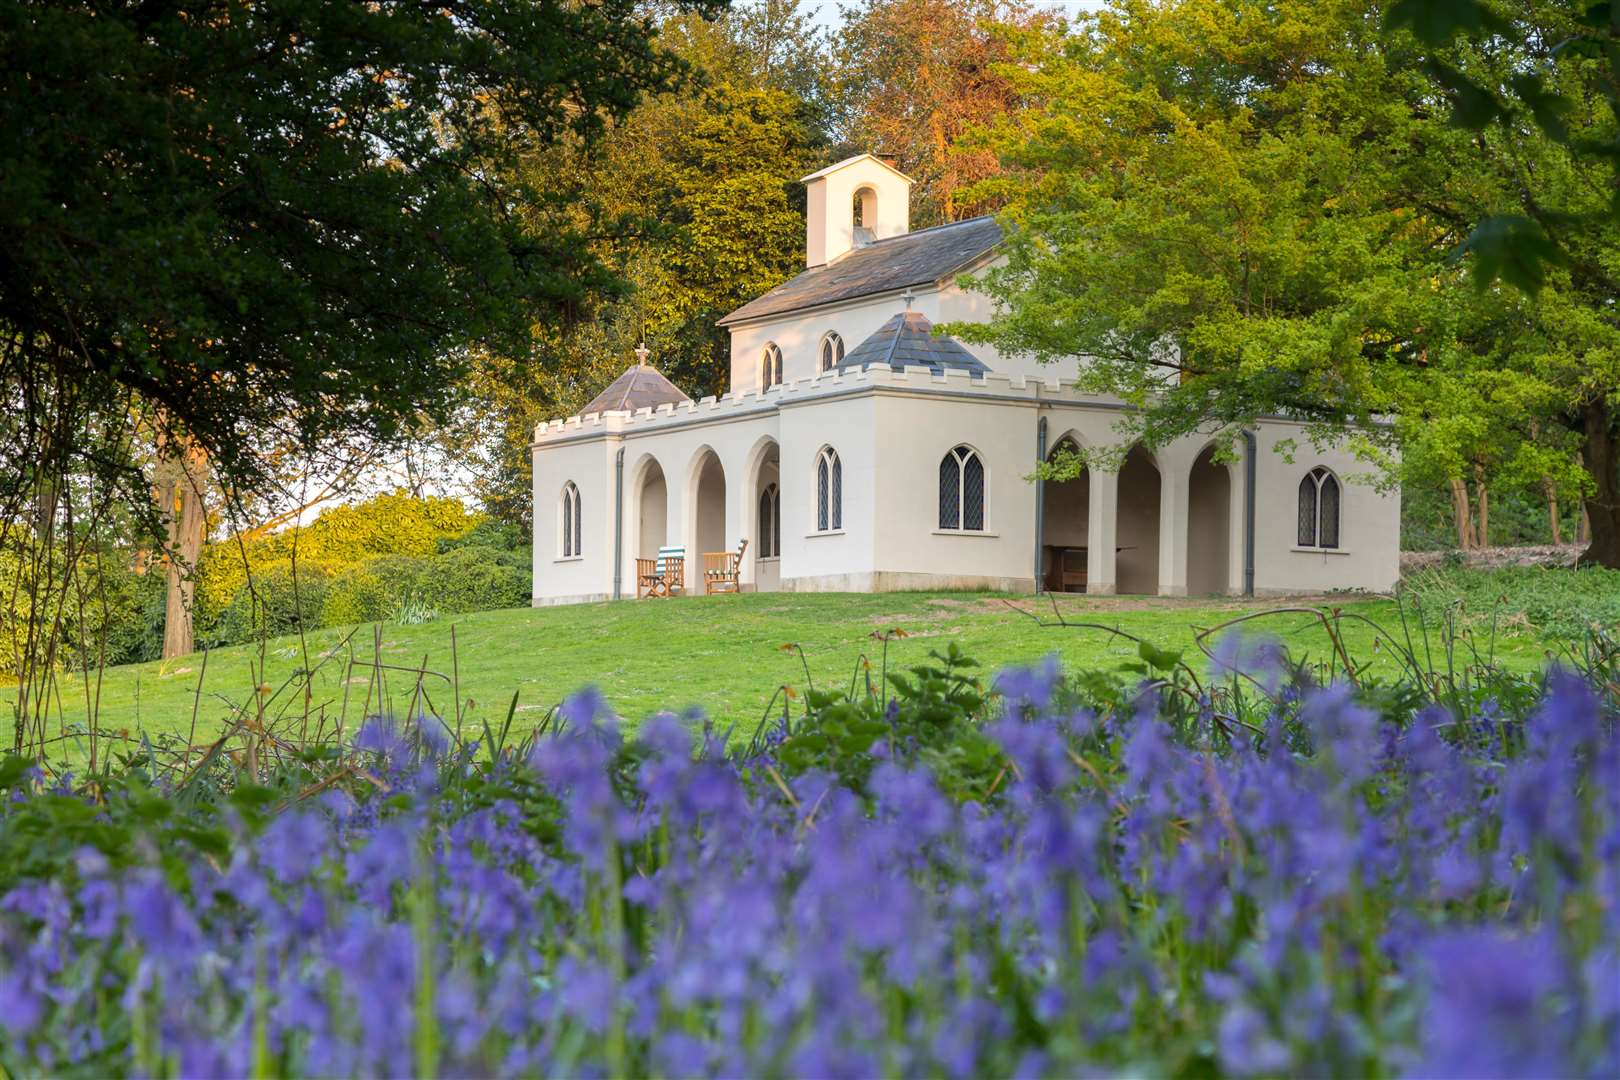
(721, 654)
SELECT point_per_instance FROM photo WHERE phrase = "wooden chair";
(722, 569)
(663, 576)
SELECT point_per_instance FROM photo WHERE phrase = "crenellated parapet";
(741, 404)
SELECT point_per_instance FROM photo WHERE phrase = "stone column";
(1102, 532)
(1172, 526)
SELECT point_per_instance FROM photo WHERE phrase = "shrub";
(106, 613)
(368, 593)
(395, 524)
(273, 605)
(474, 579)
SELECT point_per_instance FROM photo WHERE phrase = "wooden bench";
(662, 576)
(722, 570)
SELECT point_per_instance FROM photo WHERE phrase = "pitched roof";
(908, 340)
(835, 166)
(641, 386)
(918, 258)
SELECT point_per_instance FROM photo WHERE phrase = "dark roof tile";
(918, 258)
(908, 340)
(640, 387)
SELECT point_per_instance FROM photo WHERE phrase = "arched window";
(961, 490)
(770, 522)
(770, 367)
(572, 527)
(1319, 509)
(829, 491)
(832, 351)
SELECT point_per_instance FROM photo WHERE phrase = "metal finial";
(642, 353)
(908, 296)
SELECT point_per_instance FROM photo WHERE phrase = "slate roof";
(908, 340)
(918, 258)
(641, 386)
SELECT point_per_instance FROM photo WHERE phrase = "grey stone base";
(578, 598)
(874, 581)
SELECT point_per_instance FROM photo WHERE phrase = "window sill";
(967, 532)
(769, 559)
(1319, 551)
(569, 558)
(823, 532)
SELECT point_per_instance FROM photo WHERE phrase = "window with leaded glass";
(961, 490)
(770, 522)
(770, 366)
(829, 491)
(832, 351)
(1319, 499)
(572, 526)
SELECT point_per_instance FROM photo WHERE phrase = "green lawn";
(721, 654)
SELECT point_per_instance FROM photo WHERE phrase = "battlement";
(825, 384)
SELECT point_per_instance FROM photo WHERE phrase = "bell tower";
(851, 204)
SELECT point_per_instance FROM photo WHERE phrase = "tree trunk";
(1552, 510)
(1600, 452)
(1463, 513)
(1583, 530)
(1483, 537)
(182, 481)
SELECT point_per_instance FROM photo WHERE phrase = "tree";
(228, 224)
(1539, 85)
(1237, 208)
(279, 215)
(701, 187)
(916, 79)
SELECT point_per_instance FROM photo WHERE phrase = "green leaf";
(1472, 106)
(1514, 249)
(1436, 22)
(13, 771)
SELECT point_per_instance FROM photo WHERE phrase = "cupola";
(851, 204)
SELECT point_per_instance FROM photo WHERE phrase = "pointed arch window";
(770, 366)
(961, 490)
(573, 528)
(1319, 499)
(829, 491)
(770, 522)
(832, 351)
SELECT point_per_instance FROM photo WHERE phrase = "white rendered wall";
(830, 221)
(834, 559)
(799, 334)
(890, 433)
(589, 575)
(1369, 552)
(913, 434)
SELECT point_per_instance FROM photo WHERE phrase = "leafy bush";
(395, 524)
(359, 595)
(1336, 884)
(107, 611)
(278, 602)
(474, 579)
(1557, 602)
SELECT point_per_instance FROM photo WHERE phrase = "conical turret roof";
(642, 386)
(908, 340)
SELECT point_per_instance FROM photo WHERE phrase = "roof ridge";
(931, 228)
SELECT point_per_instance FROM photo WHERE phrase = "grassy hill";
(721, 654)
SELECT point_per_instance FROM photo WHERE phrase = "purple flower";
(1247, 1047)
(1496, 1006)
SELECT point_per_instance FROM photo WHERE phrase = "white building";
(856, 452)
